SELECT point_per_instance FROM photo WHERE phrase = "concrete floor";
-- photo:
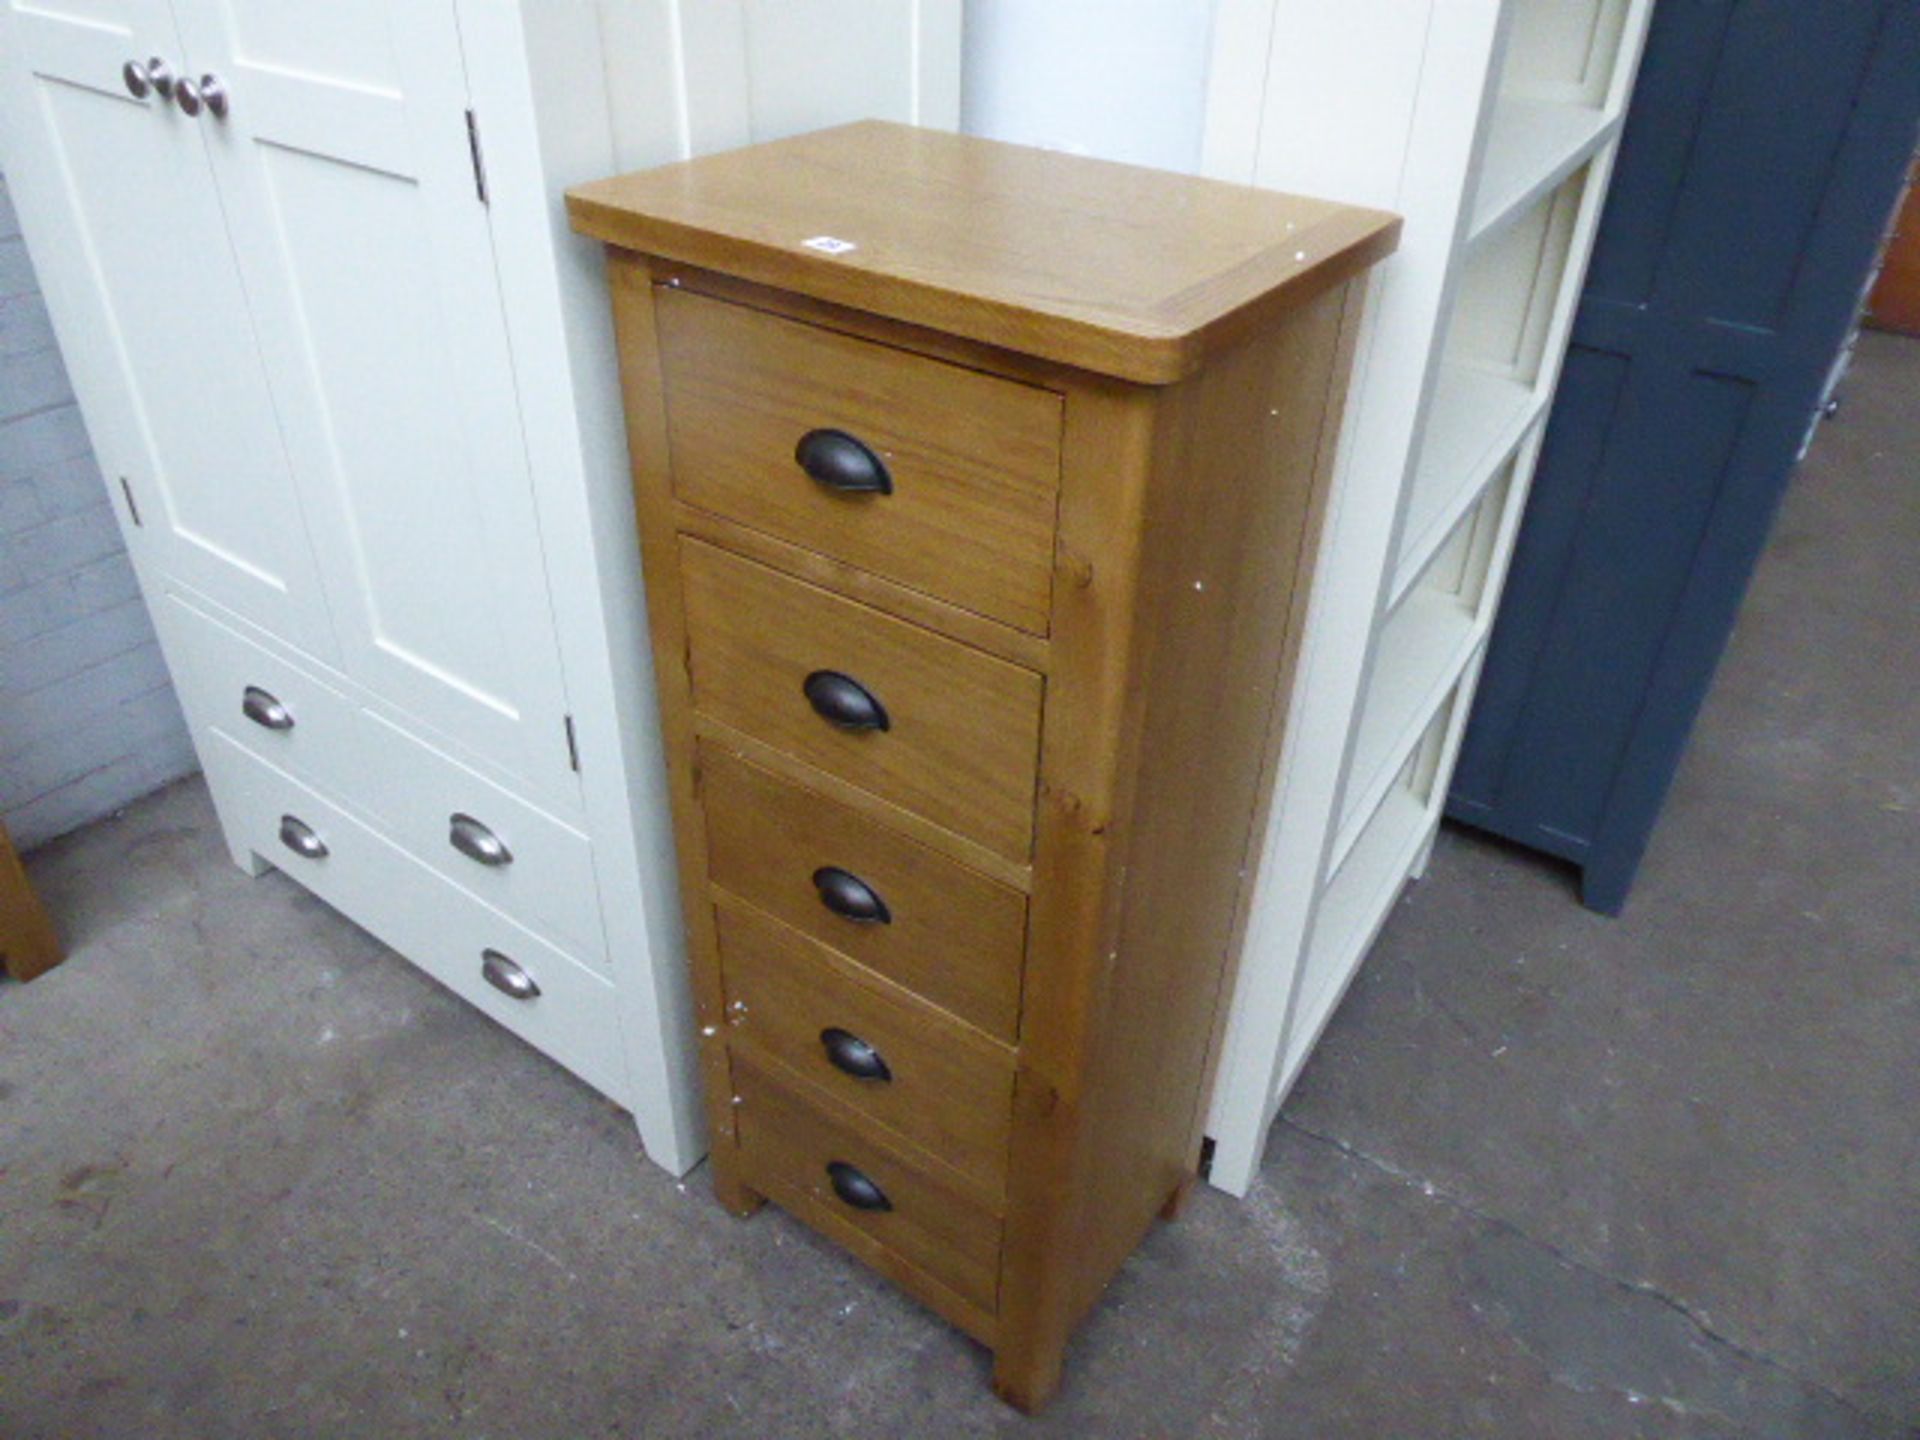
(1548, 1175)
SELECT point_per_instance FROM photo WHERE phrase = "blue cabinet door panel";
(1765, 148)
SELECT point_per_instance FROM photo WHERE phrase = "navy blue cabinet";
(1762, 156)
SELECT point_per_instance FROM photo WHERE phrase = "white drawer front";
(486, 839)
(516, 858)
(273, 708)
(439, 927)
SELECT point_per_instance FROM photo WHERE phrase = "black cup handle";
(842, 700)
(847, 1052)
(850, 897)
(837, 461)
(856, 1189)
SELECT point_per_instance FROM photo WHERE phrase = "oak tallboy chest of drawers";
(977, 491)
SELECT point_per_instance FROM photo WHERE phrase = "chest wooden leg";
(28, 944)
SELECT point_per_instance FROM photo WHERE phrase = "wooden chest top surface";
(1112, 268)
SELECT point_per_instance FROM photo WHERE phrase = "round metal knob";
(215, 94)
(186, 95)
(134, 74)
(160, 77)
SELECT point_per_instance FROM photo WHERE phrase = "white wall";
(764, 69)
(1121, 79)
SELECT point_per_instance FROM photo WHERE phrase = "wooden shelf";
(1424, 647)
(1476, 422)
(1353, 908)
(1531, 147)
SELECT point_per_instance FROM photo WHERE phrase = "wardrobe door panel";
(344, 156)
(128, 235)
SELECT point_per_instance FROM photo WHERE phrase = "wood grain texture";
(788, 1141)
(1895, 301)
(870, 589)
(1087, 776)
(1220, 601)
(950, 1089)
(974, 459)
(866, 325)
(28, 945)
(1126, 807)
(1354, 309)
(956, 937)
(1142, 873)
(911, 825)
(1126, 271)
(965, 729)
(642, 398)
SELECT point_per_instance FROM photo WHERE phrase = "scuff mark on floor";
(534, 1245)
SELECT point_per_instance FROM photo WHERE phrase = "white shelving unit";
(1491, 126)
(1350, 912)
(1477, 421)
(1532, 145)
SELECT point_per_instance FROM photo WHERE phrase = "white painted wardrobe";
(352, 384)
(1491, 126)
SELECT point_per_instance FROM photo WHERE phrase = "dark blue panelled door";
(1762, 157)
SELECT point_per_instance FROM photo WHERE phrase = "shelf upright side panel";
(1377, 102)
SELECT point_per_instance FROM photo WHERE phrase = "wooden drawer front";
(533, 867)
(940, 1085)
(271, 706)
(974, 460)
(962, 747)
(433, 923)
(786, 1147)
(953, 936)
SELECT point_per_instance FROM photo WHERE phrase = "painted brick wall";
(88, 720)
